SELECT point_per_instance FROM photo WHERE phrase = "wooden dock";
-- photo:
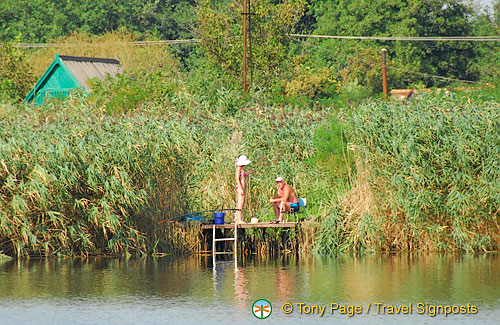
(220, 234)
(251, 225)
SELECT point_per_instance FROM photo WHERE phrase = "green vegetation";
(428, 177)
(77, 181)
(42, 21)
(95, 173)
(289, 70)
(16, 77)
(361, 60)
(221, 37)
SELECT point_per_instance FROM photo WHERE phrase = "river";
(381, 288)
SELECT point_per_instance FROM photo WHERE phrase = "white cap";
(242, 161)
(279, 179)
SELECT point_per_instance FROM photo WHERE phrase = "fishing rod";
(198, 212)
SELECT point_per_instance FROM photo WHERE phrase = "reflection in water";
(284, 284)
(189, 284)
(284, 281)
(240, 287)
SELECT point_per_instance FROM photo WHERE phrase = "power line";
(411, 39)
(136, 43)
(194, 40)
(369, 62)
(436, 77)
(184, 41)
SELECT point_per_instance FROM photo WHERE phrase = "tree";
(16, 77)
(496, 14)
(45, 20)
(398, 18)
(221, 32)
(29, 20)
(487, 65)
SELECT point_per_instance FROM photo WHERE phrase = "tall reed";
(428, 175)
(77, 181)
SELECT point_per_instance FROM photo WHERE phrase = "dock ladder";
(234, 252)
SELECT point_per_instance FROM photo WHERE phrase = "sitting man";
(286, 196)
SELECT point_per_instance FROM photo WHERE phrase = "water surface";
(189, 290)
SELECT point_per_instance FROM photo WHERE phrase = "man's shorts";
(294, 207)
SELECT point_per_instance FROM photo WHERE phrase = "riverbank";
(77, 179)
(428, 176)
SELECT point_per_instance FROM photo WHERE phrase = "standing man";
(281, 203)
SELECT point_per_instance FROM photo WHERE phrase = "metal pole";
(384, 72)
(213, 246)
(245, 13)
(235, 251)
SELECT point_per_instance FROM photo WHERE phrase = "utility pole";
(250, 40)
(384, 72)
(245, 15)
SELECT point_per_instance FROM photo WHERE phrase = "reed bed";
(428, 177)
(76, 181)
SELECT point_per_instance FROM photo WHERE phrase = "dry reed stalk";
(307, 235)
(357, 203)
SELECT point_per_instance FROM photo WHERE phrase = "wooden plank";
(252, 225)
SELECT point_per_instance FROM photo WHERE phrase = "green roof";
(67, 73)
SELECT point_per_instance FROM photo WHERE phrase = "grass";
(428, 176)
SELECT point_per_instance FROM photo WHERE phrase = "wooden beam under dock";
(252, 225)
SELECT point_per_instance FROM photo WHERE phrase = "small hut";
(70, 72)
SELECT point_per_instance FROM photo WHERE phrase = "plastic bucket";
(219, 218)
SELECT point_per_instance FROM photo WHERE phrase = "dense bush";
(76, 182)
(16, 76)
(114, 45)
(43, 21)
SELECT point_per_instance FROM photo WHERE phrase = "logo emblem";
(262, 309)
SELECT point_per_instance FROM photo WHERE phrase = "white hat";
(279, 179)
(242, 161)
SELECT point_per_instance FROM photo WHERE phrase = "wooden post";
(384, 72)
(250, 57)
(245, 14)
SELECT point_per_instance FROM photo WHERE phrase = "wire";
(137, 43)
(194, 40)
(369, 62)
(412, 39)
(437, 77)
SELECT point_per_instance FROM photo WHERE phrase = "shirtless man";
(286, 196)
